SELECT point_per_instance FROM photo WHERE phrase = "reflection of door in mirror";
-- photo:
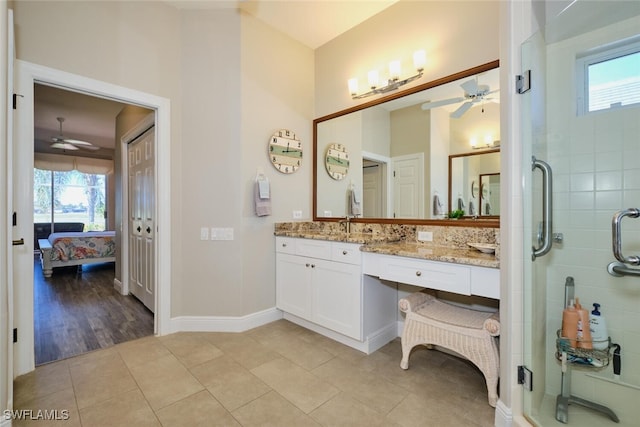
(490, 194)
(373, 189)
(467, 168)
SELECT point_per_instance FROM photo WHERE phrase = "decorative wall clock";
(285, 151)
(337, 161)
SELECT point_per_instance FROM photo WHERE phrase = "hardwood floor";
(77, 311)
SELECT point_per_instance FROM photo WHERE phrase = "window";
(69, 196)
(609, 78)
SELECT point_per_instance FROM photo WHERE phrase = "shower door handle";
(616, 237)
(546, 224)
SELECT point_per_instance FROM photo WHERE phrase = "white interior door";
(408, 179)
(372, 190)
(140, 154)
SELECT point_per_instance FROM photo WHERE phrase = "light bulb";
(419, 59)
(353, 86)
(474, 142)
(373, 78)
(488, 140)
(394, 70)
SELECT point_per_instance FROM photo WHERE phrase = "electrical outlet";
(425, 236)
(327, 214)
(204, 233)
(297, 214)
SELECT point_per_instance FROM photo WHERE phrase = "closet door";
(141, 218)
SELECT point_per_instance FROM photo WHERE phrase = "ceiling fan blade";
(64, 146)
(434, 104)
(470, 86)
(77, 142)
(461, 110)
(88, 147)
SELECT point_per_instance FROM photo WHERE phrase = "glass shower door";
(594, 153)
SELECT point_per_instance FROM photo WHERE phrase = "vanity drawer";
(429, 274)
(348, 253)
(313, 248)
(285, 245)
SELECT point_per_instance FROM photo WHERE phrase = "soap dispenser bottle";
(598, 327)
(570, 324)
(584, 328)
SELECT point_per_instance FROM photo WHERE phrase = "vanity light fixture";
(487, 142)
(394, 81)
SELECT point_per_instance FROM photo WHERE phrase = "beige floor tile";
(229, 382)
(344, 410)
(302, 353)
(299, 386)
(441, 411)
(377, 393)
(141, 351)
(272, 410)
(273, 329)
(244, 350)
(191, 349)
(165, 381)
(54, 409)
(127, 409)
(199, 409)
(95, 380)
(46, 379)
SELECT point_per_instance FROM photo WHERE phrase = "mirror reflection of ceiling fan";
(62, 143)
(474, 93)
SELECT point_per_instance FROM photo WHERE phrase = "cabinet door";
(337, 297)
(293, 285)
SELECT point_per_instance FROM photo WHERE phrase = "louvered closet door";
(141, 218)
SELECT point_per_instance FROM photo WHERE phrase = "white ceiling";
(311, 22)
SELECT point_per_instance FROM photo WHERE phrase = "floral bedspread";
(82, 245)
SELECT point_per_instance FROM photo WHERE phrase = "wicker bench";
(470, 333)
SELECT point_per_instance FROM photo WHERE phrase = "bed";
(76, 248)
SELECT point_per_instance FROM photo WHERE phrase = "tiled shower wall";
(596, 169)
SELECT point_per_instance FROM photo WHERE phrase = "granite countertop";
(434, 253)
(362, 238)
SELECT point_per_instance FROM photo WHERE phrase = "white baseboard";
(224, 324)
(504, 416)
(372, 343)
(117, 285)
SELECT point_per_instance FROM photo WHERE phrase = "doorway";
(26, 76)
(592, 154)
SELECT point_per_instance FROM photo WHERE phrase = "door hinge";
(523, 82)
(525, 377)
(15, 334)
(15, 100)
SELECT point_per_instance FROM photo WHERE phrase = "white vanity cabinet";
(320, 282)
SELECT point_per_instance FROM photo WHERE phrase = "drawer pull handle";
(418, 273)
(344, 252)
(313, 266)
(284, 245)
(307, 265)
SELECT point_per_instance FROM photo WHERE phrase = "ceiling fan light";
(64, 146)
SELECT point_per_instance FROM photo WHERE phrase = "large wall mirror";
(399, 152)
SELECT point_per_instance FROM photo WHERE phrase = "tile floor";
(276, 375)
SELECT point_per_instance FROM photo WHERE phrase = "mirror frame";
(478, 153)
(466, 222)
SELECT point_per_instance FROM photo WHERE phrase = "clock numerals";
(285, 151)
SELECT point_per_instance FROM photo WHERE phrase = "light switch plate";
(204, 233)
(425, 236)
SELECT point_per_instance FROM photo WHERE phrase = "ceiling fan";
(63, 143)
(474, 93)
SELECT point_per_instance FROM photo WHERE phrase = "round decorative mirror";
(474, 189)
(336, 161)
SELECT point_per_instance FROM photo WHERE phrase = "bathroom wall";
(596, 173)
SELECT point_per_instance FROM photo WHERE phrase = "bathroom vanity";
(345, 285)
